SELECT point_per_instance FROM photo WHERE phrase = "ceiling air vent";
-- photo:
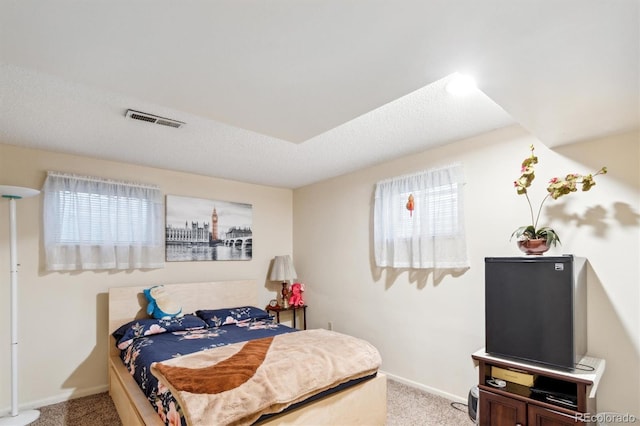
(150, 118)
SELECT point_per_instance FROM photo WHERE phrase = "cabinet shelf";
(519, 404)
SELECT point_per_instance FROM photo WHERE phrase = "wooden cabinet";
(498, 410)
(519, 405)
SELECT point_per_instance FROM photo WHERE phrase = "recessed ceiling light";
(461, 84)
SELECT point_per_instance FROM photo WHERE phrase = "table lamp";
(284, 271)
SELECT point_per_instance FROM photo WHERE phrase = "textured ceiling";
(287, 93)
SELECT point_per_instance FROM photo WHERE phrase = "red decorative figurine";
(410, 205)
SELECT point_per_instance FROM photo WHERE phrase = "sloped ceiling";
(287, 93)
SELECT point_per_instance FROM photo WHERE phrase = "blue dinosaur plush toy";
(161, 306)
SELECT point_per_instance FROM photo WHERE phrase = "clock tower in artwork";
(214, 225)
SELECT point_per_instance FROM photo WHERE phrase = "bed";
(361, 404)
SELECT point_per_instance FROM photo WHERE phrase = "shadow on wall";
(625, 215)
(418, 276)
(608, 338)
(94, 368)
(595, 217)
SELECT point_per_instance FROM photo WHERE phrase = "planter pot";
(535, 247)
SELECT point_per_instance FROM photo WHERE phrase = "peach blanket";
(237, 383)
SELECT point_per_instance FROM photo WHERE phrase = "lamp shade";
(283, 269)
(17, 192)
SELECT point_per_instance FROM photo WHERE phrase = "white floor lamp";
(14, 193)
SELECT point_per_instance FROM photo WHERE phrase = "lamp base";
(285, 299)
(22, 419)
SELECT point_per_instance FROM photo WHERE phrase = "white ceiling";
(290, 92)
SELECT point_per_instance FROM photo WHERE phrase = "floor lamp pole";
(14, 193)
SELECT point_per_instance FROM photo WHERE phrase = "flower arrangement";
(557, 188)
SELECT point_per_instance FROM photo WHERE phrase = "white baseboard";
(61, 397)
(425, 388)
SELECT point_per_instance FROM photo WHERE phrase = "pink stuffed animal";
(296, 295)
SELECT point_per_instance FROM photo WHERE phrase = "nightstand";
(294, 310)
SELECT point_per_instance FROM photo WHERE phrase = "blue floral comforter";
(144, 342)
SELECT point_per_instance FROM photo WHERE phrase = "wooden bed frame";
(362, 404)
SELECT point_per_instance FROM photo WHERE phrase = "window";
(431, 235)
(94, 223)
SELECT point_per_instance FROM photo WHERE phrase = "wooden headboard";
(129, 303)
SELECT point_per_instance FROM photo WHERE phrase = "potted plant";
(530, 238)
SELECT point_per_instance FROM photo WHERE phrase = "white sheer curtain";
(432, 234)
(93, 223)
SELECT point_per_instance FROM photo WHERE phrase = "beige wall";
(63, 315)
(426, 326)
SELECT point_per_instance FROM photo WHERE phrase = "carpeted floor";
(93, 410)
(406, 406)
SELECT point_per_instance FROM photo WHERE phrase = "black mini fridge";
(536, 309)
